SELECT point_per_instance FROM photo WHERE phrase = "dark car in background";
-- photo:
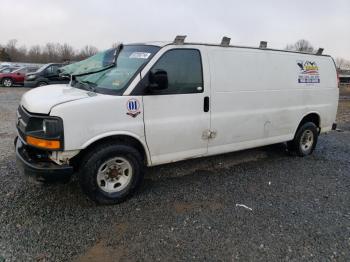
(15, 77)
(46, 75)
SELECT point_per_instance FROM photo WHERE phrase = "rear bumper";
(40, 169)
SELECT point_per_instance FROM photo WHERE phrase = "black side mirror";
(158, 80)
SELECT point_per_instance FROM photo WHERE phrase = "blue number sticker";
(133, 107)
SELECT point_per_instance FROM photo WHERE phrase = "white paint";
(255, 100)
(42, 99)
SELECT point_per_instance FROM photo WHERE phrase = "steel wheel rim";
(7, 83)
(307, 140)
(114, 175)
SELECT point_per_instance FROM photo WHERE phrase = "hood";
(42, 99)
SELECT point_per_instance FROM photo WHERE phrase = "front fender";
(140, 139)
(86, 121)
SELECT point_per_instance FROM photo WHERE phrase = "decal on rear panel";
(133, 107)
(308, 72)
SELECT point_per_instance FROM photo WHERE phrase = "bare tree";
(22, 53)
(11, 50)
(49, 53)
(342, 64)
(301, 45)
(66, 52)
(34, 54)
(86, 52)
(4, 56)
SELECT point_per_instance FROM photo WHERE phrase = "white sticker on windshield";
(140, 55)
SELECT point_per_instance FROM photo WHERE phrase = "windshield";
(7, 70)
(42, 68)
(18, 70)
(115, 78)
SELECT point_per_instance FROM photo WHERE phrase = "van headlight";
(45, 133)
(51, 127)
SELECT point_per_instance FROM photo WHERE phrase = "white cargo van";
(148, 104)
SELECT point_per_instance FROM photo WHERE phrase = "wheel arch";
(313, 117)
(7, 77)
(127, 138)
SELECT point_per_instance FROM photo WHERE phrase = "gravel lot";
(300, 208)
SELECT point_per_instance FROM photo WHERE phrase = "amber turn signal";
(43, 143)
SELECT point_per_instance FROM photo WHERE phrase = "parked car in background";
(46, 75)
(8, 69)
(15, 77)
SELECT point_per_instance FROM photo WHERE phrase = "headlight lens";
(51, 127)
(31, 77)
(45, 132)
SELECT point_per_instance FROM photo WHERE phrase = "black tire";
(305, 140)
(96, 158)
(7, 82)
(42, 83)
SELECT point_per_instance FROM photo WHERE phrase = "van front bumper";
(40, 169)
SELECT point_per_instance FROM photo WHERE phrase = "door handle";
(206, 104)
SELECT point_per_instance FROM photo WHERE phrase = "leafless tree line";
(55, 52)
(51, 52)
(304, 46)
(342, 64)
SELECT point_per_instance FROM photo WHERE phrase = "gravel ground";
(295, 209)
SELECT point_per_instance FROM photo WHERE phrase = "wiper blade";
(113, 64)
(116, 53)
(89, 85)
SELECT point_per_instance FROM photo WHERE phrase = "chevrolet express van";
(149, 104)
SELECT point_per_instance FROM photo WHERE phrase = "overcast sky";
(325, 23)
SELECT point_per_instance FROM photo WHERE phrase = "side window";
(184, 70)
(55, 69)
(48, 70)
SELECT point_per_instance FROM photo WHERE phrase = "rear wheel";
(7, 82)
(111, 173)
(305, 140)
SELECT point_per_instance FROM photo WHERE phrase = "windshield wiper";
(88, 85)
(113, 64)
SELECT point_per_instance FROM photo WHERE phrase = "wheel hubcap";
(114, 175)
(307, 140)
(7, 83)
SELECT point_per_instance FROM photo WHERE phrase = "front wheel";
(42, 84)
(7, 82)
(111, 173)
(305, 140)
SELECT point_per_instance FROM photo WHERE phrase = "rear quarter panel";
(257, 98)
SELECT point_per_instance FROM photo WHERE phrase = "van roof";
(165, 43)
